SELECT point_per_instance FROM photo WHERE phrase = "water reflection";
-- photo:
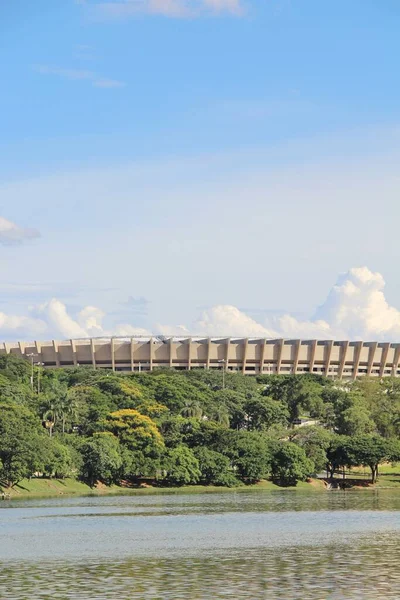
(280, 545)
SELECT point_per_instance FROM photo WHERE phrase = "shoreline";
(37, 488)
(57, 488)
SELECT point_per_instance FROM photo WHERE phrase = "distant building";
(302, 422)
(342, 360)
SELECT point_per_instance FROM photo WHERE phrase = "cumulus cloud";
(229, 321)
(357, 306)
(168, 8)
(91, 320)
(10, 233)
(59, 321)
(355, 309)
(15, 325)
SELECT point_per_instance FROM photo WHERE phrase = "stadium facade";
(334, 359)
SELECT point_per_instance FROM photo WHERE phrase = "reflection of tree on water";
(337, 571)
(339, 545)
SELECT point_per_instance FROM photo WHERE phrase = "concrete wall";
(346, 360)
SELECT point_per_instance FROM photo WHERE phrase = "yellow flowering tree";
(141, 442)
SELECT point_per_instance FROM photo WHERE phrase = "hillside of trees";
(182, 428)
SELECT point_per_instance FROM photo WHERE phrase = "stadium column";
(328, 357)
(21, 346)
(93, 353)
(262, 355)
(132, 348)
(396, 360)
(73, 351)
(345, 346)
(151, 354)
(171, 349)
(228, 344)
(245, 346)
(385, 352)
(208, 352)
(189, 342)
(6, 348)
(281, 343)
(297, 345)
(312, 355)
(356, 359)
(56, 356)
(112, 354)
(371, 356)
(39, 351)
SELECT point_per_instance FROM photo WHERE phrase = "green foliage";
(101, 459)
(181, 466)
(251, 457)
(21, 451)
(182, 427)
(262, 413)
(353, 416)
(315, 442)
(57, 460)
(370, 450)
(14, 368)
(290, 464)
(140, 439)
(214, 467)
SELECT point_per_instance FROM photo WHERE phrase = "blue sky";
(165, 163)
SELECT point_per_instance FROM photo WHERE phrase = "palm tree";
(192, 410)
(68, 407)
(55, 405)
(51, 413)
(221, 415)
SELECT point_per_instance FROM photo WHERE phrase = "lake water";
(280, 544)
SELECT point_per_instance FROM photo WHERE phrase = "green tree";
(181, 466)
(290, 464)
(101, 459)
(139, 435)
(192, 410)
(370, 451)
(20, 444)
(251, 456)
(315, 442)
(57, 459)
(215, 468)
(263, 412)
(93, 407)
(16, 369)
(338, 454)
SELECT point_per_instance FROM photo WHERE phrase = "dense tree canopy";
(190, 427)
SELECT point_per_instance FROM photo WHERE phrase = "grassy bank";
(389, 476)
(46, 488)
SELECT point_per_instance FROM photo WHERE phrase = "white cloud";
(126, 330)
(229, 321)
(91, 320)
(355, 308)
(79, 75)
(168, 8)
(59, 321)
(10, 233)
(14, 325)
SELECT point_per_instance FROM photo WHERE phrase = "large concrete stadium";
(334, 359)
